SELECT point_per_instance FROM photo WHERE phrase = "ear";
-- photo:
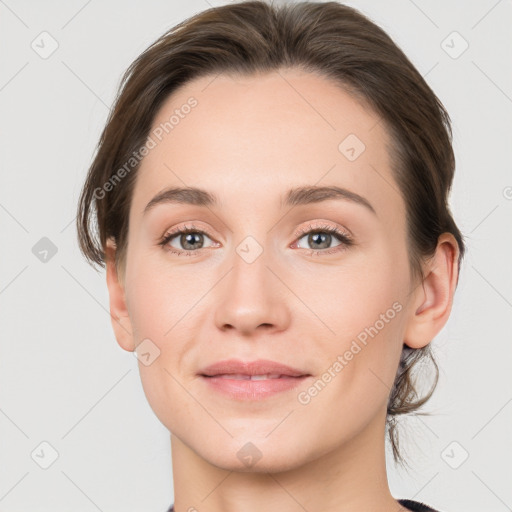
(433, 298)
(118, 312)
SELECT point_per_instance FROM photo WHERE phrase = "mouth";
(254, 380)
(242, 376)
(261, 368)
(251, 387)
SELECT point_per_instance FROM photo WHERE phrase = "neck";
(352, 477)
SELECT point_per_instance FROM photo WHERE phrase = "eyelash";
(342, 236)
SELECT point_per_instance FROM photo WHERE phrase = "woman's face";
(260, 277)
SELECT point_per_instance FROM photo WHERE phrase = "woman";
(270, 202)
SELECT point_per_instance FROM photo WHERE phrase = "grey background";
(63, 378)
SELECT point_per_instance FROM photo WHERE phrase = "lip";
(258, 367)
(216, 377)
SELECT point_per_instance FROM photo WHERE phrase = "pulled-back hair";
(329, 39)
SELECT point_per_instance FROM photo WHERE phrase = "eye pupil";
(321, 240)
(187, 240)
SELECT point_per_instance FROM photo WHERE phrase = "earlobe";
(118, 311)
(433, 299)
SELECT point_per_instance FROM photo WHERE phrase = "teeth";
(236, 376)
(265, 377)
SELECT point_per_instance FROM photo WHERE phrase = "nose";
(251, 297)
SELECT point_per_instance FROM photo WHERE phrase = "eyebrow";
(295, 197)
(314, 194)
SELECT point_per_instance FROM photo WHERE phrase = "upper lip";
(259, 367)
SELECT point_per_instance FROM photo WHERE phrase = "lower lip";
(253, 389)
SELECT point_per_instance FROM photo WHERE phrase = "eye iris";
(187, 240)
(321, 240)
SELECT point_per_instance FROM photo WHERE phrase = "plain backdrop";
(71, 398)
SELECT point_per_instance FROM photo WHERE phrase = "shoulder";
(416, 506)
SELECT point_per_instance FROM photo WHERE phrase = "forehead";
(266, 132)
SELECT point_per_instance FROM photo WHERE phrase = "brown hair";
(244, 38)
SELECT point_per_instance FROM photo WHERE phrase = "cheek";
(355, 294)
(148, 312)
(354, 317)
(157, 299)
(364, 307)
(359, 362)
(158, 304)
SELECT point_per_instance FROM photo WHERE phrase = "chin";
(256, 456)
(268, 464)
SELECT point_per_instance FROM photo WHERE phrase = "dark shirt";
(415, 506)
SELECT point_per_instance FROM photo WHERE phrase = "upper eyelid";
(341, 232)
(329, 227)
(306, 229)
